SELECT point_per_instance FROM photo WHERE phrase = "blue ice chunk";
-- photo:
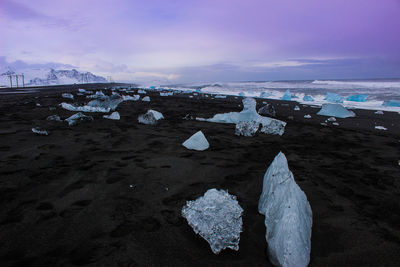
(391, 103)
(308, 98)
(334, 98)
(198, 90)
(294, 96)
(335, 110)
(357, 98)
(287, 96)
(152, 87)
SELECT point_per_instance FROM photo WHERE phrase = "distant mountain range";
(37, 77)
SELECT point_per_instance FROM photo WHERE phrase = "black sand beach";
(110, 193)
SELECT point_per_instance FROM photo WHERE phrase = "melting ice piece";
(140, 91)
(380, 128)
(113, 116)
(197, 142)
(269, 125)
(106, 102)
(357, 98)
(67, 95)
(146, 99)
(216, 217)
(84, 108)
(334, 98)
(151, 117)
(267, 110)
(296, 108)
(99, 94)
(166, 94)
(307, 116)
(335, 123)
(391, 103)
(53, 118)
(39, 131)
(379, 112)
(335, 110)
(78, 118)
(288, 216)
(287, 96)
(247, 128)
(131, 98)
(308, 98)
(331, 119)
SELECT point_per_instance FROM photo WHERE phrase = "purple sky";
(207, 40)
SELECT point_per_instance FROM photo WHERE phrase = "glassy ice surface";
(197, 142)
(217, 217)
(78, 118)
(334, 98)
(287, 96)
(67, 95)
(308, 98)
(140, 91)
(269, 125)
(357, 98)
(39, 131)
(247, 128)
(307, 116)
(113, 116)
(335, 110)
(288, 216)
(391, 103)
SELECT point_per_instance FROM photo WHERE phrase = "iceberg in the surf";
(267, 110)
(197, 142)
(287, 96)
(335, 110)
(268, 125)
(333, 98)
(67, 95)
(113, 116)
(78, 118)
(146, 99)
(85, 108)
(39, 131)
(288, 216)
(151, 117)
(265, 94)
(308, 98)
(217, 217)
(247, 128)
(357, 98)
(391, 103)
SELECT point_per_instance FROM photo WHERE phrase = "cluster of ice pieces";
(335, 110)
(78, 118)
(197, 142)
(151, 117)
(39, 131)
(216, 217)
(288, 216)
(249, 113)
(113, 116)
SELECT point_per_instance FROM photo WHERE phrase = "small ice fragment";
(151, 117)
(331, 119)
(82, 91)
(247, 128)
(287, 96)
(131, 185)
(140, 91)
(220, 96)
(379, 112)
(307, 116)
(38, 105)
(67, 95)
(113, 116)
(190, 96)
(297, 108)
(166, 94)
(217, 217)
(146, 99)
(288, 216)
(308, 98)
(391, 103)
(53, 118)
(335, 123)
(39, 131)
(197, 142)
(380, 128)
(78, 118)
(335, 110)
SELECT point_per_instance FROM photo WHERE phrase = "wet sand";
(109, 193)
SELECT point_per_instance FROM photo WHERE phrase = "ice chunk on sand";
(53, 118)
(146, 99)
(357, 98)
(269, 125)
(287, 96)
(140, 91)
(307, 116)
(380, 128)
(78, 118)
(379, 112)
(197, 142)
(335, 110)
(84, 108)
(267, 110)
(39, 131)
(166, 94)
(67, 95)
(131, 98)
(308, 98)
(151, 117)
(334, 98)
(391, 103)
(107, 102)
(113, 116)
(247, 128)
(296, 108)
(220, 96)
(216, 217)
(288, 216)
(331, 119)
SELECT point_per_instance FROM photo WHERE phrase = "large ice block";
(335, 110)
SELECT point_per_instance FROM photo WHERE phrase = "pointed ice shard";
(217, 217)
(288, 216)
(113, 116)
(287, 96)
(151, 117)
(335, 110)
(197, 142)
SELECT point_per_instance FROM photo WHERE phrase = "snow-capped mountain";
(37, 77)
